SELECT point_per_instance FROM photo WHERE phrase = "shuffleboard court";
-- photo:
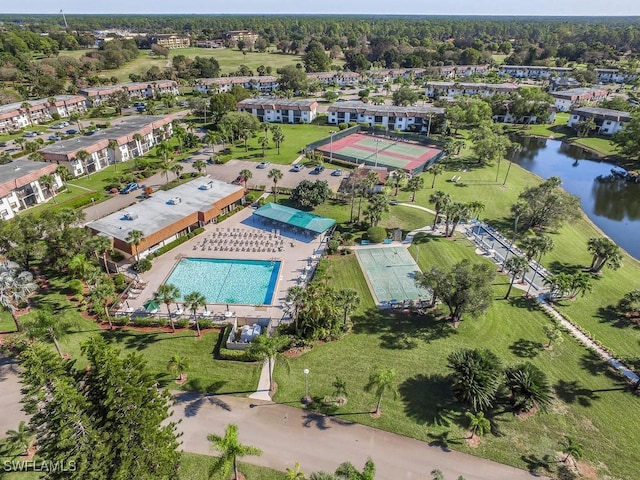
(390, 272)
(359, 148)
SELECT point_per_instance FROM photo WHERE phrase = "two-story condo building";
(614, 75)
(607, 121)
(392, 117)
(132, 137)
(137, 90)
(264, 84)
(534, 72)
(450, 90)
(566, 99)
(20, 187)
(15, 116)
(280, 110)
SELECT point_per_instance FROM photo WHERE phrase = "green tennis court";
(390, 273)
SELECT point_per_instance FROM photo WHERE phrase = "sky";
(407, 7)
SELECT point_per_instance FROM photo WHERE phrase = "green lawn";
(296, 138)
(7, 324)
(589, 400)
(206, 373)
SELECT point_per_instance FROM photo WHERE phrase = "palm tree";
(346, 471)
(414, 184)
(164, 149)
(113, 145)
(538, 245)
(46, 326)
(455, 213)
(516, 266)
(246, 175)
(294, 473)
(49, 183)
(178, 365)
(135, 238)
(165, 168)
(478, 423)
(571, 448)
(100, 245)
(244, 134)
(269, 348)
(529, 387)
(19, 440)
(378, 204)
(231, 449)
(101, 295)
(79, 265)
(212, 138)
(435, 170)
(177, 168)
(605, 252)
(26, 106)
(193, 301)
(82, 156)
(397, 177)
(63, 173)
(518, 209)
(21, 141)
(277, 136)
(296, 298)
(381, 380)
(349, 300)
(200, 165)
(263, 142)
(168, 293)
(275, 175)
(180, 133)
(441, 201)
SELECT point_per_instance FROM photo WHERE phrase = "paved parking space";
(230, 171)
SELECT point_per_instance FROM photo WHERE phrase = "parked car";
(263, 164)
(298, 167)
(239, 180)
(3, 144)
(130, 188)
(71, 131)
(30, 135)
(54, 138)
(319, 169)
(337, 172)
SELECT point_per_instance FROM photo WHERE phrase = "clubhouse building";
(169, 214)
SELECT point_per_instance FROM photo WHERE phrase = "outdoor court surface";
(391, 153)
(390, 273)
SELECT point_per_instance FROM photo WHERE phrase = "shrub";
(76, 287)
(332, 246)
(119, 281)
(182, 323)
(121, 321)
(376, 234)
(116, 255)
(205, 323)
(343, 126)
(144, 265)
(145, 322)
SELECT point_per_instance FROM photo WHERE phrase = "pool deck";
(295, 257)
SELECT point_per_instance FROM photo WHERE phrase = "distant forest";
(363, 42)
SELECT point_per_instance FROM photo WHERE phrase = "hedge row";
(178, 241)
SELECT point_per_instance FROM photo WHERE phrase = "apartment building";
(264, 84)
(534, 72)
(341, 79)
(132, 137)
(15, 116)
(607, 122)
(232, 37)
(450, 90)
(171, 40)
(280, 110)
(20, 187)
(614, 75)
(392, 117)
(565, 100)
(96, 96)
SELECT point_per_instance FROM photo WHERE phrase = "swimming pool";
(238, 282)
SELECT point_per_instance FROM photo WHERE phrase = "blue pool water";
(244, 282)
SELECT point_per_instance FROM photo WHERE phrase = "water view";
(613, 204)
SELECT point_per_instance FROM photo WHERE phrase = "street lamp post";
(306, 400)
(332, 133)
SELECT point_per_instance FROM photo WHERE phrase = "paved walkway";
(287, 435)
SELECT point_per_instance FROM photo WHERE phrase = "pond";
(613, 204)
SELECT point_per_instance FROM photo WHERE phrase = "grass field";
(589, 400)
(7, 324)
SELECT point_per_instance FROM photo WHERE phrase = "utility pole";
(65, 19)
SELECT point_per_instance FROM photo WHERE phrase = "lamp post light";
(306, 400)
(332, 133)
(377, 140)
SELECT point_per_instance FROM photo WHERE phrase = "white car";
(263, 164)
(337, 172)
